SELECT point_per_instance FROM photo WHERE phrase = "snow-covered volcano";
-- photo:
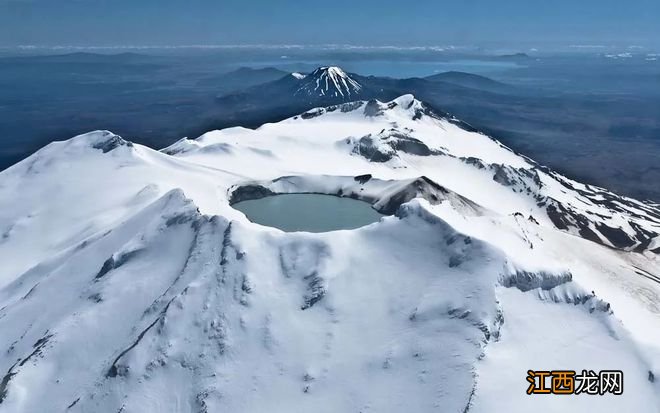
(329, 81)
(129, 283)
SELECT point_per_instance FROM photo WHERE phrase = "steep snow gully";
(130, 283)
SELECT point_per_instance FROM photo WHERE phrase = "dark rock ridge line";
(385, 196)
(112, 142)
(202, 226)
(587, 224)
(38, 349)
(249, 192)
(385, 146)
(313, 253)
(601, 228)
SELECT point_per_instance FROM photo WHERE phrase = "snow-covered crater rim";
(385, 196)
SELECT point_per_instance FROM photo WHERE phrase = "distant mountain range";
(156, 100)
(325, 85)
(472, 81)
(331, 83)
(292, 93)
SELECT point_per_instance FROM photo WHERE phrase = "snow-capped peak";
(142, 262)
(329, 81)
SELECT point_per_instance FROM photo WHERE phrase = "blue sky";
(363, 22)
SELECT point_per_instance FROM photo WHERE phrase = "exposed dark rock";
(373, 108)
(405, 143)
(73, 403)
(471, 160)
(616, 236)
(115, 262)
(4, 383)
(313, 113)
(38, 350)
(368, 148)
(459, 313)
(526, 281)
(96, 297)
(350, 106)
(384, 146)
(303, 261)
(111, 143)
(226, 245)
(214, 148)
(117, 369)
(501, 176)
(363, 179)
(518, 179)
(246, 285)
(432, 112)
(565, 219)
(315, 290)
(421, 187)
(248, 192)
(556, 213)
(644, 236)
(587, 233)
(647, 274)
(182, 218)
(30, 292)
(455, 261)
(344, 107)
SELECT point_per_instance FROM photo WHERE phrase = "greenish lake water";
(308, 212)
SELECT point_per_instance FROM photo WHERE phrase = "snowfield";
(129, 283)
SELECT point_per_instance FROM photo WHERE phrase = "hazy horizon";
(171, 23)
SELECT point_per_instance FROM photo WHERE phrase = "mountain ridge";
(330, 81)
(159, 293)
(471, 80)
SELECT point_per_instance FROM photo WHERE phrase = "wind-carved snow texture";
(138, 288)
(303, 261)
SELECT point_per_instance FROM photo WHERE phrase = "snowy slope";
(130, 284)
(328, 81)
